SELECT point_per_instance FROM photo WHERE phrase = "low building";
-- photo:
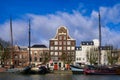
(39, 55)
(21, 57)
(15, 57)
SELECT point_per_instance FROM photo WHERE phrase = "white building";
(84, 49)
(81, 52)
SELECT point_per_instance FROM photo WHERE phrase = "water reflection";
(13, 76)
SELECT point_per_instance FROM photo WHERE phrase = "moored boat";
(76, 69)
(30, 70)
(102, 70)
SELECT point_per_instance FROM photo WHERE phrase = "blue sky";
(79, 16)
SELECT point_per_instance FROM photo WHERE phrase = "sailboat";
(101, 70)
(29, 69)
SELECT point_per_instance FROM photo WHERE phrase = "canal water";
(13, 76)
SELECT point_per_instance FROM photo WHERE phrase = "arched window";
(40, 59)
(35, 59)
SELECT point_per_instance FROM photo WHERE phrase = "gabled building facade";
(62, 48)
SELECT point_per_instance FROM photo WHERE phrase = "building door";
(59, 65)
(55, 66)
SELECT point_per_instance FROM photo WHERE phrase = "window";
(76, 59)
(64, 48)
(31, 52)
(20, 63)
(51, 53)
(72, 48)
(73, 43)
(68, 43)
(20, 56)
(40, 53)
(40, 60)
(55, 58)
(24, 56)
(79, 59)
(60, 53)
(52, 48)
(60, 48)
(60, 42)
(56, 42)
(16, 56)
(60, 37)
(56, 48)
(64, 43)
(35, 52)
(83, 59)
(64, 37)
(68, 48)
(56, 53)
(35, 59)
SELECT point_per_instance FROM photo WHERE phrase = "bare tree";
(4, 51)
(67, 58)
(92, 55)
(112, 55)
(45, 57)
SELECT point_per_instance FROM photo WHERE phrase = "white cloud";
(80, 27)
(111, 14)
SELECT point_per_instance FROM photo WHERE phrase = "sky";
(79, 16)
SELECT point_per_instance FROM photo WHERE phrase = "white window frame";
(56, 42)
(72, 48)
(60, 48)
(56, 53)
(56, 48)
(68, 48)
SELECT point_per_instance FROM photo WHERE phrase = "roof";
(39, 46)
(78, 48)
(106, 47)
(87, 43)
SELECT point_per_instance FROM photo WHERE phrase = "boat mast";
(11, 36)
(99, 54)
(29, 43)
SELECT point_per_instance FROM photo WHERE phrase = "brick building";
(62, 48)
(39, 55)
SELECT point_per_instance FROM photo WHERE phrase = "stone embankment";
(62, 72)
(3, 69)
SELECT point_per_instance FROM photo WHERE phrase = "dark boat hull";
(99, 73)
(28, 70)
(91, 70)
